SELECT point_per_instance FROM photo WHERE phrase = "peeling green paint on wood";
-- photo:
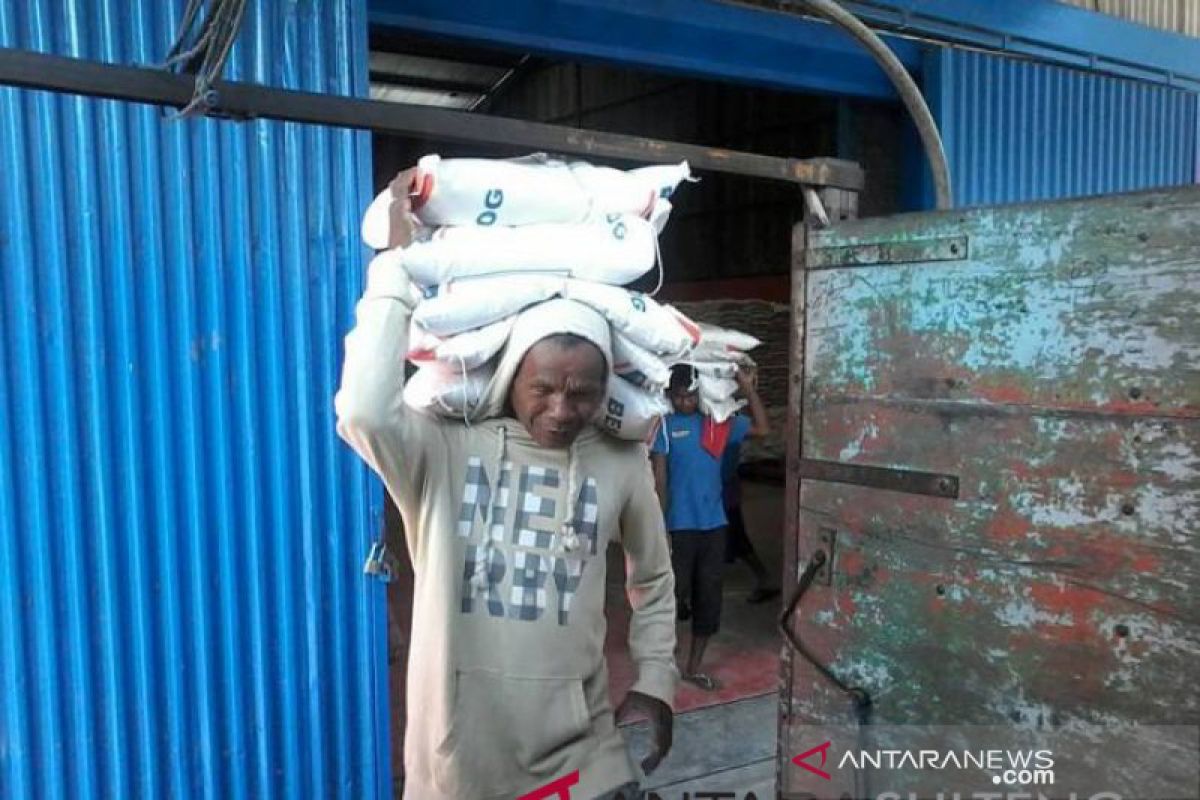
(1056, 371)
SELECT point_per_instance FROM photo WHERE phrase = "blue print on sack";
(614, 413)
(618, 230)
(491, 201)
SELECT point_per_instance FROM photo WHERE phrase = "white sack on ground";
(534, 190)
(617, 251)
(631, 413)
(658, 328)
(638, 365)
(720, 410)
(440, 389)
(468, 304)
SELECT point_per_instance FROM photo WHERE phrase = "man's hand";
(662, 725)
(747, 379)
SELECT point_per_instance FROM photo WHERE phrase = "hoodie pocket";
(505, 728)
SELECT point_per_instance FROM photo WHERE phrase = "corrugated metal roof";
(182, 609)
(1017, 130)
(1180, 16)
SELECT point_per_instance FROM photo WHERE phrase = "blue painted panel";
(182, 611)
(1019, 131)
(1050, 31)
(701, 38)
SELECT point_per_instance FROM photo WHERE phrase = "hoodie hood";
(532, 325)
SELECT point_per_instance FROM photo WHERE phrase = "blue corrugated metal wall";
(182, 612)
(1017, 130)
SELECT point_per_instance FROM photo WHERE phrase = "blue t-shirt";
(693, 475)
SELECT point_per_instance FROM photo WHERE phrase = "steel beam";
(698, 38)
(247, 101)
(1048, 31)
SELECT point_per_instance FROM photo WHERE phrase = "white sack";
(723, 344)
(717, 388)
(474, 348)
(443, 390)
(535, 190)
(617, 251)
(422, 345)
(664, 178)
(466, 350)
(465, 305)
(631, 413)
(720, 410)
(714, 369)
(388, 221)
(638, 365)
(658, 328)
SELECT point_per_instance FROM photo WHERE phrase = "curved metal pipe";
(909, 93)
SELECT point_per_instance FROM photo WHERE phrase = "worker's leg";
(683, 564)
(706, 620)
(740, 547)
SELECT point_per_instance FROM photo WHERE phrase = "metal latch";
(378, 563)
(828, 539)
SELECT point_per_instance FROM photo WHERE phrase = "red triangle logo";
(802, 760)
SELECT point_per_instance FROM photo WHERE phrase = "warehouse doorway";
(727, 257)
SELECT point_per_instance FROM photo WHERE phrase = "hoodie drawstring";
(569, 537)
(479, 578)
(467, 404)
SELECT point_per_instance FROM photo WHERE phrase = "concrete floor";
(724, 748)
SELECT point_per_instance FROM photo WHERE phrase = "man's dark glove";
(662, 725)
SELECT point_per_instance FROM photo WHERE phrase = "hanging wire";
(210, 44)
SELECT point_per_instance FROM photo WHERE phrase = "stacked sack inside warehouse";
(485, 240)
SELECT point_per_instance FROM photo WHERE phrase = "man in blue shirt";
(687, 457)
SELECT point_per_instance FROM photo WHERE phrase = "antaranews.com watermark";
(1083, 762)
(970, 763)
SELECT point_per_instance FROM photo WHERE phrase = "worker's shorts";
(698, 558)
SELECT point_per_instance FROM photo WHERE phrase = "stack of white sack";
(458, 218)
(485, 240)
(716, 359)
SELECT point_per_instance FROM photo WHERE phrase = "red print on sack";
(823, 749)
(559, 788)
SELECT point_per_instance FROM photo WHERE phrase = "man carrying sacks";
(508, 509)
(688, 455)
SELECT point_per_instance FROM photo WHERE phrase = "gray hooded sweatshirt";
(507, 681)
